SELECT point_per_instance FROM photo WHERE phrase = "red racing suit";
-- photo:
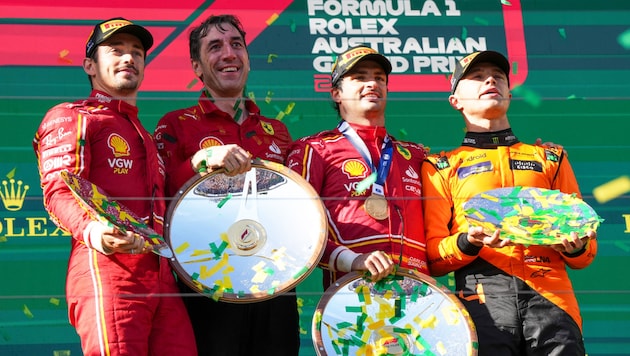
(333, 166)
(494, 282)
(271, 325)
(115, 301)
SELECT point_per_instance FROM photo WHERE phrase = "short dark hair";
(201, 31)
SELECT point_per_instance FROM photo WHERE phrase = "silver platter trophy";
(406, 313)
(246, 238)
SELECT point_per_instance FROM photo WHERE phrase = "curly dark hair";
(201, 31)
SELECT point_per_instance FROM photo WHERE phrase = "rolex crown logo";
(12, 196)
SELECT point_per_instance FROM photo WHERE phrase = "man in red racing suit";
(339, 162)
(519, 297)
(121, 298)
(225, 131)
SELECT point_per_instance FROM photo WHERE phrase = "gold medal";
(376, 206)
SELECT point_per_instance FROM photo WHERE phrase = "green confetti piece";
(624, 39)
(481, 21)
(300, 273)
(361, 320)
(294, 118)
(54, 301)
(563, 33)
(343, 325)
(192, 83)
(364, 184)
(3, 239)
(492, 213)
(398, 307)
(529, 96)
(464, 33)
(403, 133)
(293, 25)
(506, 3)
(514, 68)
(224, 200)
(355, 309)
(271, 57)
(218, 250)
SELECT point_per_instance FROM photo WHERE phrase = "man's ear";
(196, 67)
(335, 95)
(454, 101)
(89, 66)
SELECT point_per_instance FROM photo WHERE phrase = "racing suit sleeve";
(61, 143)
(446, 250)
(311, 165)
(178, 167)
(566, 182)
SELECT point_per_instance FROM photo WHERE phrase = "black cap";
(463, 66)
(354, 55)
(107, 28)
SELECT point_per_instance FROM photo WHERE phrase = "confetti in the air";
(271, 56)
(562, 32)
(293, 25)
(272, 19)
(612, 189)
(27, 311)
(506, 3)
(192, 83)
(481, 21)
(528, 95)
(364, 184)
(268, 97)
(624, 39)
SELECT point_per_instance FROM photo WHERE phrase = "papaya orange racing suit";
(519, 297)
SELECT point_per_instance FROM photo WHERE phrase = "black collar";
(490, 139)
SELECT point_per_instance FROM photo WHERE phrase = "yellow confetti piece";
(271, 56)
(289, 108)
(61, 352)
(271, 19)
(181, 248)
(260, 276)
(490, 197)
(54, 301)
(439, 346)
(206, 272)
(27, 311)
(428, 323)
(254, 289)
(200, 253)
(451, 314)
(612, 189)
(268, 97)
(258, 266)
(3, 239)
(280, 116)
(376, 325)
